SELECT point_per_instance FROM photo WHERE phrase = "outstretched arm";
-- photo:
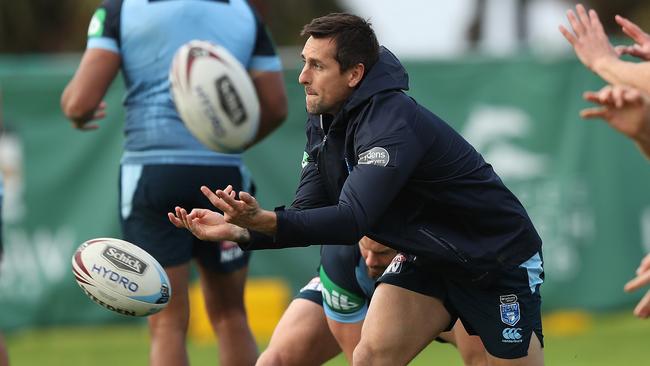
(592, 47)
(244, 212)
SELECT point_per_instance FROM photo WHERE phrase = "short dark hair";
(355, 40)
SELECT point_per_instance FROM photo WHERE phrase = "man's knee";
(269, 358)
(475, 359)
(364, 354)
(275, 357)
(169, 321)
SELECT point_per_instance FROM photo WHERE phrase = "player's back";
(147, 34)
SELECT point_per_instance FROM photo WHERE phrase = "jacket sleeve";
(309, 194)
(389, 144)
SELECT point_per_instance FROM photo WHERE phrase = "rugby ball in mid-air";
(121, 277)
(214, 96)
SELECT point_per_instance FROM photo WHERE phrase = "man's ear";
(356, 74)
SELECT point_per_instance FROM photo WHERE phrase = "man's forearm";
(618, 72)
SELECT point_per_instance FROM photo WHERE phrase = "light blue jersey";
(146, 34)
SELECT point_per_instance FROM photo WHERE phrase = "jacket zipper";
(445, 244)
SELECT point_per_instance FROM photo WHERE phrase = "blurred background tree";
(37, 26)
(43, 26)
(635, 10)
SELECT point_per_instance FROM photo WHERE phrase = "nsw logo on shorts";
(510, 313)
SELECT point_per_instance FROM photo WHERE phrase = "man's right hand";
(84, 122)
(207, 225)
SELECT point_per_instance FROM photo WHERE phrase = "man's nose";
(303, 77)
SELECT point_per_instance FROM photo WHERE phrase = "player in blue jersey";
(379, 164)
(312, 331)
(163, 163)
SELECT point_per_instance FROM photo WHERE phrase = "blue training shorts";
(149, 192)
(504, 311)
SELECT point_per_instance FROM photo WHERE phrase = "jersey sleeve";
(264, 57)
(104, 28)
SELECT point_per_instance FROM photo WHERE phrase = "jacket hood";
(387, 74)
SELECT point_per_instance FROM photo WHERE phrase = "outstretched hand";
(244, 212)
(641, 48)
(588, 37)
(642, 310)
(626, 109)
(207, 225)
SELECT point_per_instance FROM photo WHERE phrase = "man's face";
(376, 256)
(326, 87)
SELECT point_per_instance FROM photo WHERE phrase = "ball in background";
(214, 96)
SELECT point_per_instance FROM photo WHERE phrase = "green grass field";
(614, 339)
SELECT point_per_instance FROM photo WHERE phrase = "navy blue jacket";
(388, 168)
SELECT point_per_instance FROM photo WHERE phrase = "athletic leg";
(168, 328)
(224, 303)
(347, 336)
(470, 347)
(399, 324)
(301, 338)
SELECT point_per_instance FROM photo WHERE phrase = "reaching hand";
(642, 310)
(625, 109)
(589, 41)
(244, 212)
(98, 113)
(206, 225)
(641, 48)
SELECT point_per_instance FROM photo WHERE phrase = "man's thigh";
(406, 313)
(400, 323)
(302, 337)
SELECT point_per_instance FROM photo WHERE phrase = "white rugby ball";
(214, 96)
(121, 277)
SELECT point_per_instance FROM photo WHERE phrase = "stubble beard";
(314, 107)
